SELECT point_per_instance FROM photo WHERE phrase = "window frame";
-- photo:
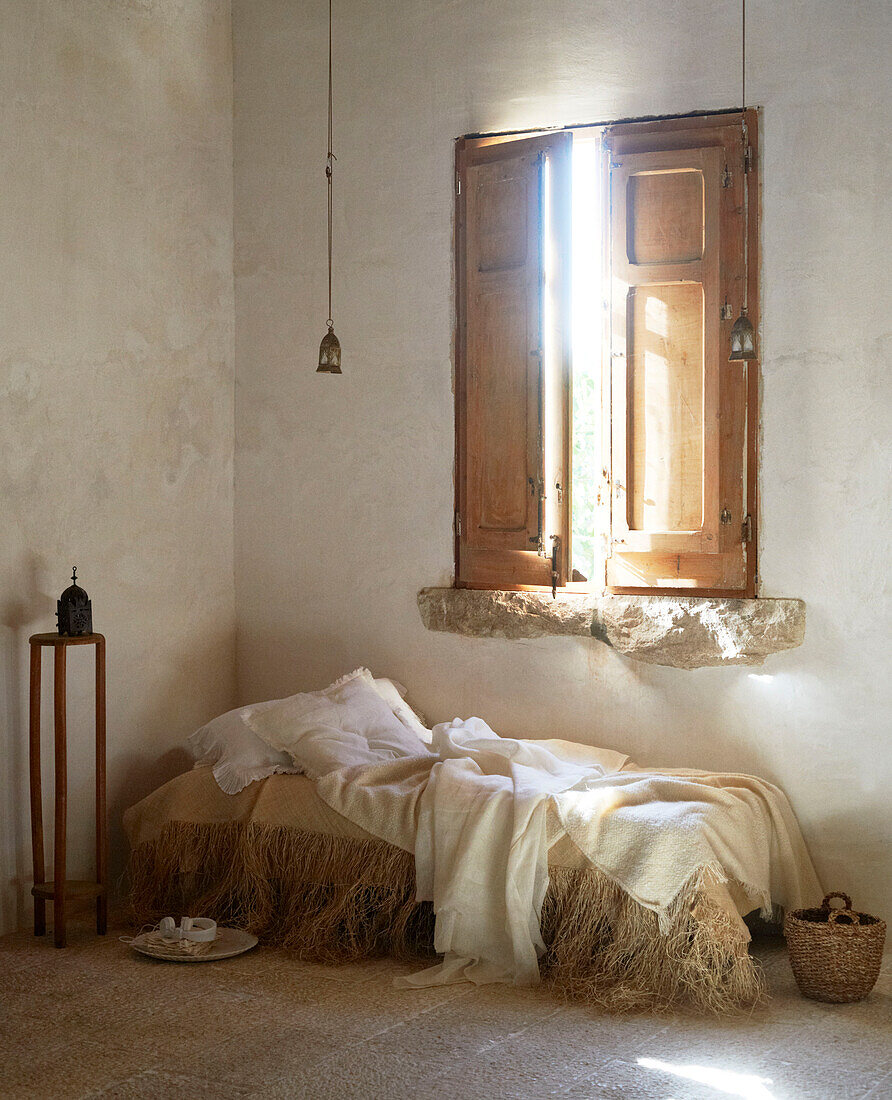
(749, 455)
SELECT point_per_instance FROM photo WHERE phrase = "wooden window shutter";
(513, 251)
(678, 407)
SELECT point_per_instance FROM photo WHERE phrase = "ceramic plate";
(229, 942)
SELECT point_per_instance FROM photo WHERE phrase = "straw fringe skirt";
(336, 899)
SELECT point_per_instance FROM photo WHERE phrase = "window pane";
(665, 217)
(588, 541)
(666, 401)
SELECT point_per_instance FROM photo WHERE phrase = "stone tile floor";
(97, 1020)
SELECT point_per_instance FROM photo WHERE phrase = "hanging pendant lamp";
(743, 335)
(330, 348)
(743, 338)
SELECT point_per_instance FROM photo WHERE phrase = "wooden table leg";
(61, 799)
(36, 794)
(101, 813)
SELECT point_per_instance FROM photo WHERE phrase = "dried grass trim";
(337, 899)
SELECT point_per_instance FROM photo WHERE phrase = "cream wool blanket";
(481, 815)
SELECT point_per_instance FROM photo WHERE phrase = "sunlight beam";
(745, 1085)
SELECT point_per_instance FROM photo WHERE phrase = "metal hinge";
(537, 489)
(457, 184)
(458, 524)
(746, 533)
(555, 560)
(727, 312)
(748, 159)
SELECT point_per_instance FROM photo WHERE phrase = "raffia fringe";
(336, 899)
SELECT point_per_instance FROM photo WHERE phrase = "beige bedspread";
(287, 801)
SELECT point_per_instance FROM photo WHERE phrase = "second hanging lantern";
(330, 347)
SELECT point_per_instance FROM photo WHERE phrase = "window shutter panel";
(512, 360)
(677, 406)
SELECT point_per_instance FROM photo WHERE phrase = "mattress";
(282, 801)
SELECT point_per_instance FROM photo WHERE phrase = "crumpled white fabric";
(481, 848)
(476, 815)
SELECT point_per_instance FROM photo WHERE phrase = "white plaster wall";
(116, 388)
(344, 485)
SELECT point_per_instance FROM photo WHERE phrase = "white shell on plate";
(229, 942)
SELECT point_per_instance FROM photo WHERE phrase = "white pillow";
(237, 754)
(239, 757)
(394, 695)
(345, 724)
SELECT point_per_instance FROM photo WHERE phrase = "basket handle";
(825, 904)
(835, 914)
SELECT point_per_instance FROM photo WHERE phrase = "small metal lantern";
(74, 610)
(743, 336)
(330, 353)
(330, 348)
(743, 339)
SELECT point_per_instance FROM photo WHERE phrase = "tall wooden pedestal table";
(61, 889)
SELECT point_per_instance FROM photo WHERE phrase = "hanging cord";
(742, 56)
(746, 190)
(329, 165)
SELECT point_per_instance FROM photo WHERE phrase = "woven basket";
(836, 954)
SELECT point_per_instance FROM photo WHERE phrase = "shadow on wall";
(136, 775)
(18, 616)
(198, 687)
(141, 758)
(282, 662)
(851, 833)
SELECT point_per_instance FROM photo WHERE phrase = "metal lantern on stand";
(74, 610)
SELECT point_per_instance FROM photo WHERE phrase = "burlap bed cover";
(291, 802)
(275, 858)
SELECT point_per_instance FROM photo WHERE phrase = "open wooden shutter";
(678, 408)
(512, 361)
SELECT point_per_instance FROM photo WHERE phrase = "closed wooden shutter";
(678, 408)
(513, 252)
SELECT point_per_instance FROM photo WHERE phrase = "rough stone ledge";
(679, 631)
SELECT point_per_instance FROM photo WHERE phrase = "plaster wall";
(344, 484)
(116, 389)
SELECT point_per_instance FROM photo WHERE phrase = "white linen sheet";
(481, 849)
(480, 812)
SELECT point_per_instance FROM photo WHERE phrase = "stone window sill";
(678, 631)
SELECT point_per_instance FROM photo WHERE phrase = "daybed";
(277, 860)
(513, 858)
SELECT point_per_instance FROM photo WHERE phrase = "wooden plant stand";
(60, 889)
